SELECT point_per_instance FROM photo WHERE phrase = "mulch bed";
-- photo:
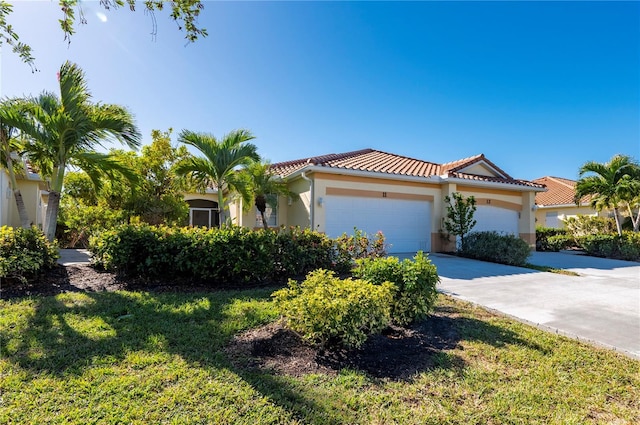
(397, 354)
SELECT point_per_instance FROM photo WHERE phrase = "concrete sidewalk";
(602, 305)
(74, 256)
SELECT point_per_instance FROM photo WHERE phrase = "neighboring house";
(400, 196)
(558, 202)
(34, 193)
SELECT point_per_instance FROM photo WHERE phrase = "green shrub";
(331, 311)
(24, 253)
(558, 242)
(300, 251)
(583, 225)
(625, 247)
(350, 248)
(415, 283)
(542, 238)
(77, 223)
(229, 255)
(492, 246)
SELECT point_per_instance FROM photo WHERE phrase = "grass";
(550, 269)
(128, 357)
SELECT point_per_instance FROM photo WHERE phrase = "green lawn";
(128, 357)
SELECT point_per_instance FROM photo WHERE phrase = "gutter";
(311, 201)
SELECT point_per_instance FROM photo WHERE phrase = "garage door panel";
(405, 223)
(501, 220)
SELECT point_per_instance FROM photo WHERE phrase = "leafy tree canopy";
(184, 12)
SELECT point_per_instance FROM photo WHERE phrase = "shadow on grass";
(67, 334)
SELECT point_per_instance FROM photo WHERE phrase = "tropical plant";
(610, 185)
(10, 114)
(218, 167)
(65, 132)
(263, 187)
(460, 210)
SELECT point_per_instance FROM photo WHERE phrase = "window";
(271, 214)
(203, 213)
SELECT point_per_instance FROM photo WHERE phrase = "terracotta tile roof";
(452, 167)
(363, 160)
(559, 191)
(387, 163)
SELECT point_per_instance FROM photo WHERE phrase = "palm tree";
(264, 187)
(10, 113)
(65, 132)
(609, 185)
(221, 160)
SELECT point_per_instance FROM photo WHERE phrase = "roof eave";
(496, 185)
(540, 206)
(361, 173)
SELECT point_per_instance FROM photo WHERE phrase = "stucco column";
(527, 222)
(438, 232)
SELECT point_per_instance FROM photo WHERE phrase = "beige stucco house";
(558, 202)
(402, 197)
(34, 193)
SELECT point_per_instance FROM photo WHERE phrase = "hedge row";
(24, 253)
(625, 247)
(232, 254)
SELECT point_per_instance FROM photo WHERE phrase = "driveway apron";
(601, 306)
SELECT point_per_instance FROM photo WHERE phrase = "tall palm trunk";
(51, 216)
(220, 207)
(53, 205)
(635, 219)
(261, 205)
(616, 215)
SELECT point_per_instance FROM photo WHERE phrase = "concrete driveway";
(602, 305)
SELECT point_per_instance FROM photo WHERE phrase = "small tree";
(263, 188)
(460, 211)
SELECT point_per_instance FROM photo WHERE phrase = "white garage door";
(501, 220)
(406, 224)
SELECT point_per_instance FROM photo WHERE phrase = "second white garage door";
(501, 220)
(406, 224)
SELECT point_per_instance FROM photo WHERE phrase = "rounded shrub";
(415, 282)
(496, 247)
(328, 310)
(549, 239)
(24, 253)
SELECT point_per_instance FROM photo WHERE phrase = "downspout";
(311, 201)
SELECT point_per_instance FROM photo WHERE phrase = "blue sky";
(539, 88)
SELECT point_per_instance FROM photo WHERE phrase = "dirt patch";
(71, 278)
(396, 354)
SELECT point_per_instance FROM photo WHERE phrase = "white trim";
(482, 162)
(495, 185)
(542, 207)
(364, 173)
